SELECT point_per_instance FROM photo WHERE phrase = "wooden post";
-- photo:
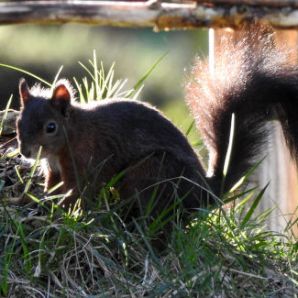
(278, 168)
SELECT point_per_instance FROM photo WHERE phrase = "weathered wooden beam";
(156, 14)
(264, 3)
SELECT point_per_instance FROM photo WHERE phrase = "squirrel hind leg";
(161, 182)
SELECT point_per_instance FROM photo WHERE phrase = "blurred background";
(43, 49)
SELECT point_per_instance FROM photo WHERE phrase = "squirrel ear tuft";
(24, 92)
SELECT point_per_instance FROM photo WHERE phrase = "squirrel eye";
(51, 127)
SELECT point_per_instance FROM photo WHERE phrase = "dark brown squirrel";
(86, 146)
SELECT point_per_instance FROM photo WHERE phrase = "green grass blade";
(87, 70)
(230, 146)
(26, 72)
(79, 88)
(5, 113)
(34, 198)
(228, 154)
(11, 154)
(241, 195)
(26, 252)
(146, 75)
(33, 170)
(136, 94)
(4, 270)
(190, 128)
(16, 168)
(95, 69)
(57, 77)
(253, 207)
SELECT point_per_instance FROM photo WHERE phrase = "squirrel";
(86, 146)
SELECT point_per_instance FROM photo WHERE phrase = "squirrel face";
(42, 121)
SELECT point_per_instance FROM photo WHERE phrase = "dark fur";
(94, 144)
(113, 136)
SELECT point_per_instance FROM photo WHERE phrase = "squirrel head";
(43, 118)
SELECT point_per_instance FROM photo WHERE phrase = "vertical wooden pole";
(283, 190)
(278, 168)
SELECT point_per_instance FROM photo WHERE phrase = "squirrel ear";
(61, 93)
(24, 92)
(61, 96)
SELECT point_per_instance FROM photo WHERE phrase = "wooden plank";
(278, 167)
(264, 3)
(155, 14)
(285, 175)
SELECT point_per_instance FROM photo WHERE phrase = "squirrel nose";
(25, 151)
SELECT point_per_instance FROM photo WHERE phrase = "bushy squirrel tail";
(253, 81)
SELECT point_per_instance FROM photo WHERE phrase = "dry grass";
(46, 253)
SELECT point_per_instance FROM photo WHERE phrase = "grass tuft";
(92, 253)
